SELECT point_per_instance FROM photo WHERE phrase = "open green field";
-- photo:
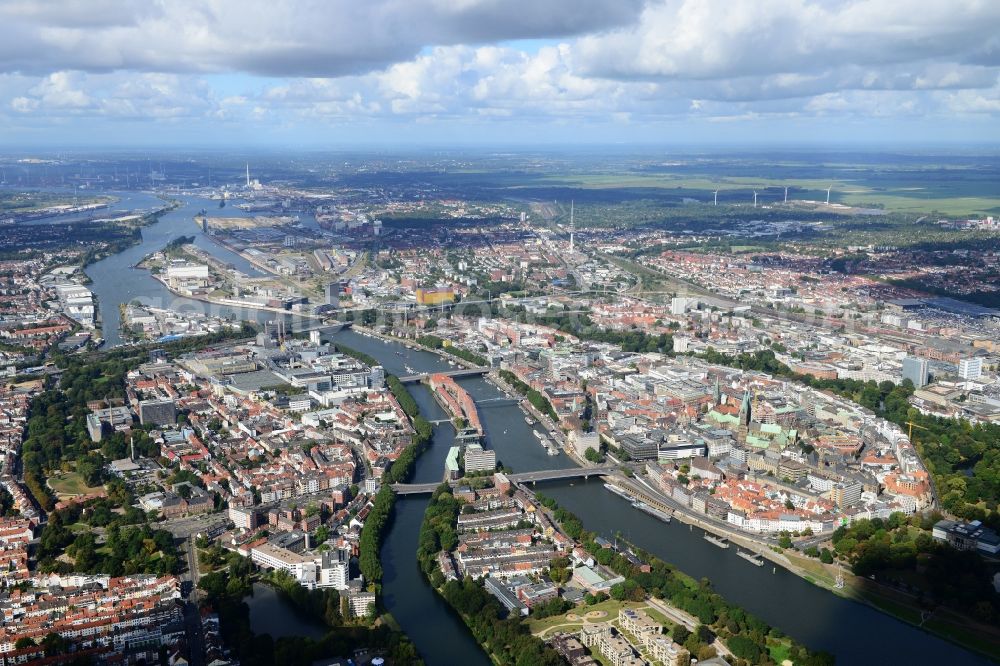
(26, 202)
(779, 650)
(626, 189)
(949, 195)
(609, 608)
(916, 203)
(69, 484)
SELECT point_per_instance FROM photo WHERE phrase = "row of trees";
(403, 396)
(434, 342)
(537, 400)
(370, 542)
(368, 360)
(901, 552)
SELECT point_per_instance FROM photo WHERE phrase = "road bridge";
(498, 402)
(464, 372)
(522, 477)
(322, 328)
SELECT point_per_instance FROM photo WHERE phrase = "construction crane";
(912, 426)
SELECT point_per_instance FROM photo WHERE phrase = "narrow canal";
(435, 629)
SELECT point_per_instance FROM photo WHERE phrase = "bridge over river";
(325, 329)
(465, 372)
(522, 477)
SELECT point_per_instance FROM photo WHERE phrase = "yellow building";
(435, 296)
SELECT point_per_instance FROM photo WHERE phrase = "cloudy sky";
(333, 72)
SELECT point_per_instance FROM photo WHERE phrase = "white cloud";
(276, 63)
(126, 96)
(61, 90)
(275, 37)
(23, 104)
(705, 39)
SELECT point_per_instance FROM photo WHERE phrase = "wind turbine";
(716, 193)
(828, 195)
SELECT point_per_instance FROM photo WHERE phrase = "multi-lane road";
(186, 529)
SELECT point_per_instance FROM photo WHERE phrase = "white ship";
(656, 513)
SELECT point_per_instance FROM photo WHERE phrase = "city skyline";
(323, 75)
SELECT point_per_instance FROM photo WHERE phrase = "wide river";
(853, 632)
(116, 280)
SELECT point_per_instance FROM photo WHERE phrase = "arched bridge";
(522, 477)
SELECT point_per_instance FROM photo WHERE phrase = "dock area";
(752, 558)
(721, 542)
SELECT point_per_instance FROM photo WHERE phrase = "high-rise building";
(157, 412)
(680, 304)
(334, 569)
(478, 459)
(846, 494)
(970, 368)
(377, 376)
(915, 369)
(333, 294)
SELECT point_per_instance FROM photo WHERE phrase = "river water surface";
(116, 281)
(853, 632)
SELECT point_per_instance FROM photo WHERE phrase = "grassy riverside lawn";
(942, 622)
